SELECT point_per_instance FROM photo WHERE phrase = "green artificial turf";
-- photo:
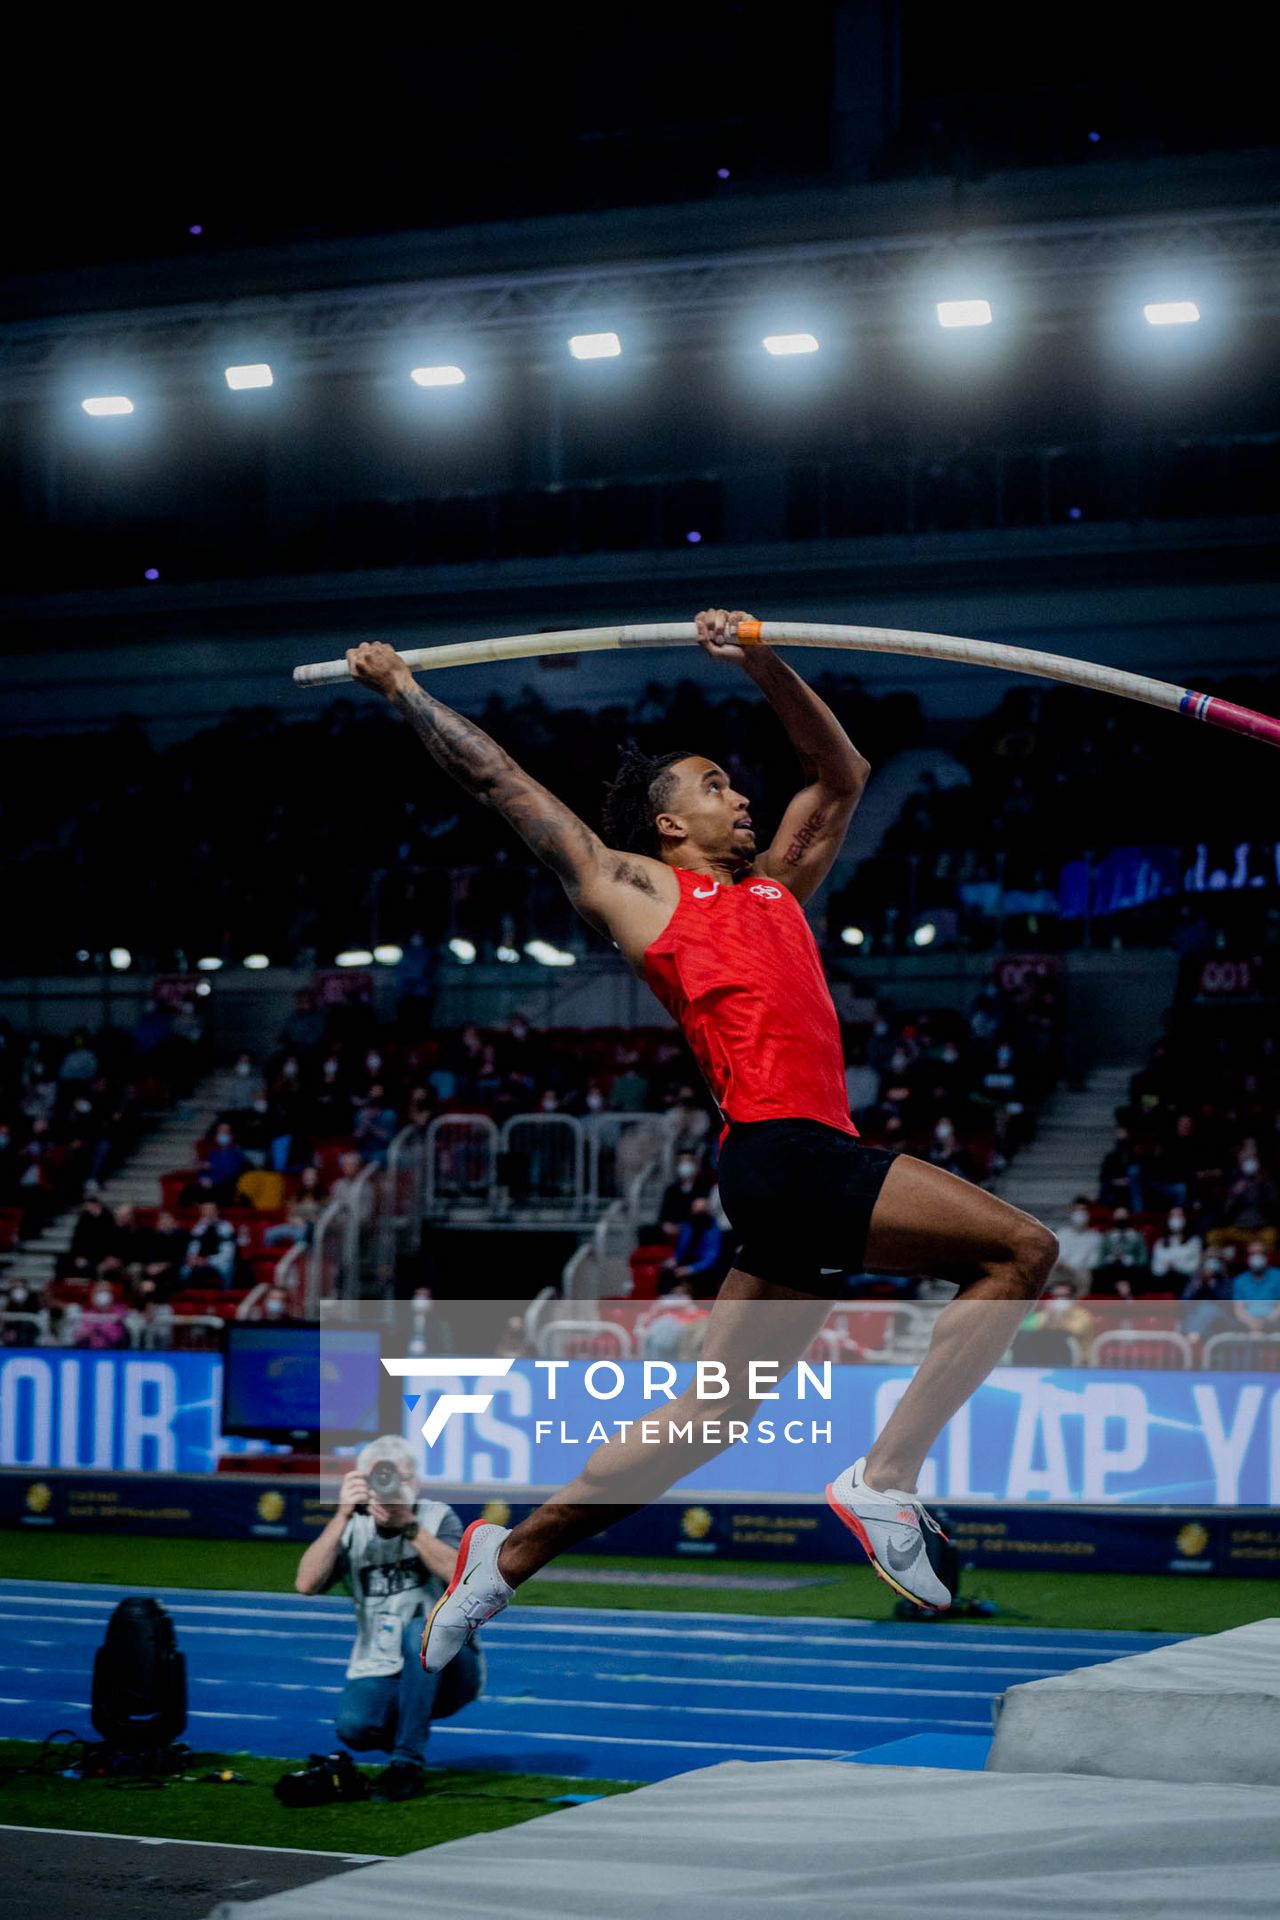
(1162, 1603)
(456, 1802)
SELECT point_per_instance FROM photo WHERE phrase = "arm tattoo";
(466, 752)
(804, 838)
(550, 829)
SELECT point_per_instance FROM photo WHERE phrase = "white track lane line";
(744, 1713)
(171, 1840)
(601, 1620)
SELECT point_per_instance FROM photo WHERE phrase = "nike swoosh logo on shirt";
(705, 893)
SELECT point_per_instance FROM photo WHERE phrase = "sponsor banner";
(131, 1412)
(1050, 1539)
(1073, 1436)
(187, 1506)
(1083, 1435)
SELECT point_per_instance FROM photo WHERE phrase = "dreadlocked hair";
(640, 790)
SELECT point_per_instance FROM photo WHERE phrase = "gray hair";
(392, 1447)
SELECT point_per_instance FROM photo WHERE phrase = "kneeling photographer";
(398, 1551)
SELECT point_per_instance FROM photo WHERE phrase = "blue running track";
(582, 1691)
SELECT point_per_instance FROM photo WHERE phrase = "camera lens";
(384, 1481)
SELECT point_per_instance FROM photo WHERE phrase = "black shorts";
(799, 1196)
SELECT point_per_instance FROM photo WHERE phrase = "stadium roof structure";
(343, 328)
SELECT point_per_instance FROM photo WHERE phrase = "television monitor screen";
(288, 1380)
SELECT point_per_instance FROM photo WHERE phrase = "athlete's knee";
(1033, 1255)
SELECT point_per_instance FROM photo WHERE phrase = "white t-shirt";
(390, 1583)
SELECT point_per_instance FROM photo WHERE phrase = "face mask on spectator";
(950, 1055)
(273, 1309)
(595, 1102)
(944, 1133)
(685, 1169)
(1258, 1263)
(260, 1106)
(222, 1137)
(1079, 1216)
(1177, 1222)
(373, 1061)
(1212, 1268)
(102, 1296)
(17, 1296)
(290, 1070)
(1249, 1167)
(243, 1068)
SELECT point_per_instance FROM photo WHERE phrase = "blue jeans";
(392, 1713)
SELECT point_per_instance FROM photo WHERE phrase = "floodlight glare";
(121, 959)
(209, 964)
(508, 955)
(595, 346)
(388, 955)
(784, 343)
(925, 934)
(1171, 313)
(547, 955)
(437, 376)
(355, 957)
(256, 962)
(852, 936)
(238, 378)
(107, 403)
(964, 313)
(463, 950)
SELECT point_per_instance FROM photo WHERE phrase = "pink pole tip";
(1225, 713)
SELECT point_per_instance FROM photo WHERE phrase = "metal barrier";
(293, 1277)
(584, 1340)
(1169, 1351)
(201, 1333)
(400, 1199)
(592, 1272)
(1243, 1352)
(460, 1161)
(327, 1252)
(621, 1147)
(542, 1162)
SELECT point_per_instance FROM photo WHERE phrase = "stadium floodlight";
(203, 988)
(925, 934)
(1170, 313)
(595, 346)
(355, 957)
(121, 959)
(83, 955)
(508, 955)
(463, 950)
(101, 405)
(547, 955)
(437, 376)
(388, 954)
(241, 378)
(209, 964)
(256, 962)
(964, 313)
(781, 344)
(853, 936)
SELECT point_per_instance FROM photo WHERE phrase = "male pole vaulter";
(717, 930)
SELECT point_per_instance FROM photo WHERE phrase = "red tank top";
(738, 968)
